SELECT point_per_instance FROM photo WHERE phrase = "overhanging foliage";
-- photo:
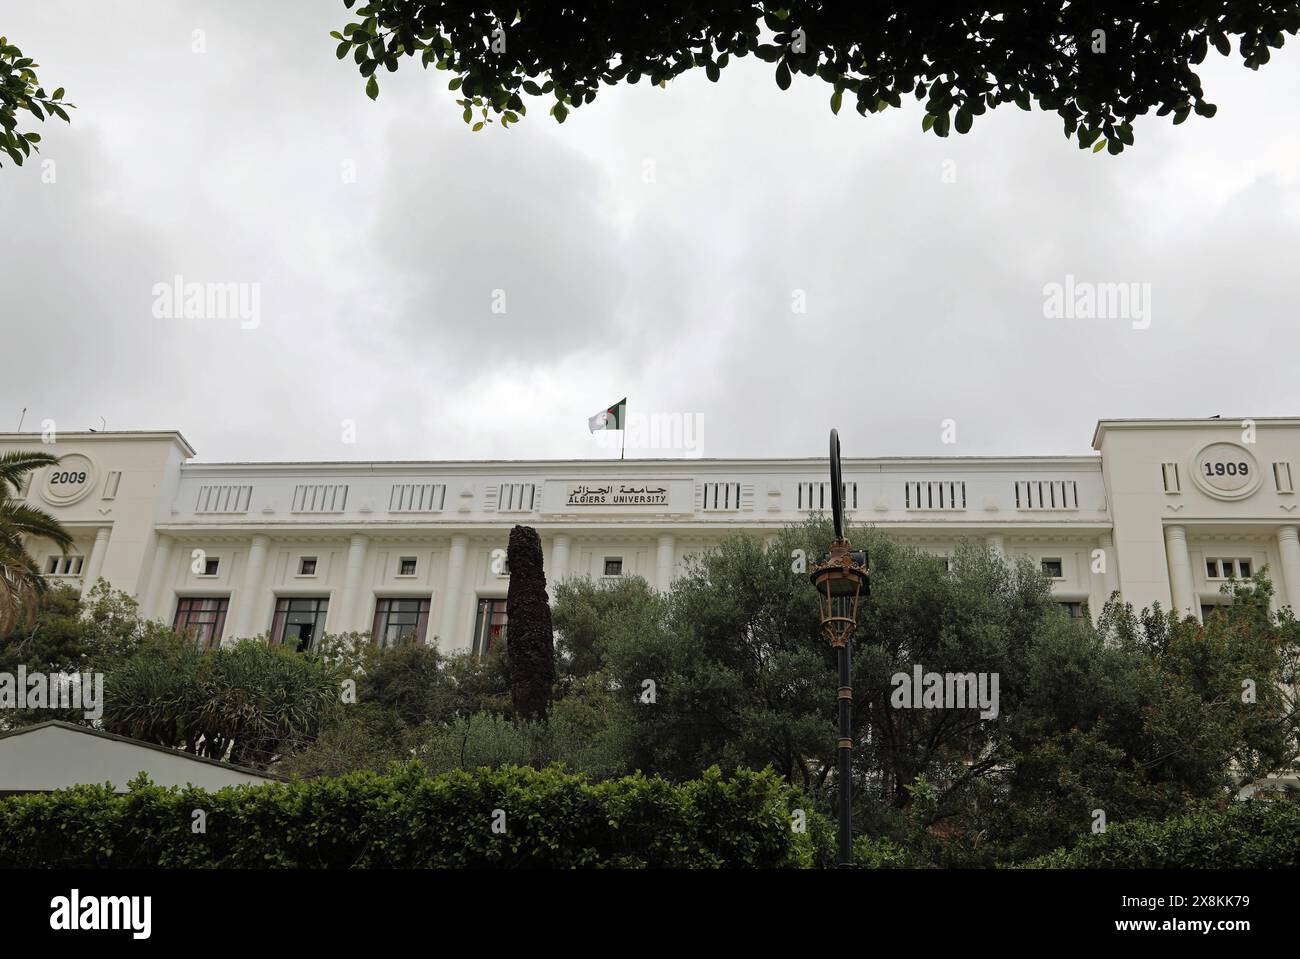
(1098, 65)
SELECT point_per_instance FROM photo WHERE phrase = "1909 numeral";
(1227, 469)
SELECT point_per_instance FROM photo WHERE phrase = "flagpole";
(623, 448)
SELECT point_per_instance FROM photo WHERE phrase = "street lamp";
(841, 580)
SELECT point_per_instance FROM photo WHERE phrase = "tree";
(1099, 65)
(1140, 716)
(21, 582)
(21, 90)
(247, 702)
(530, 648)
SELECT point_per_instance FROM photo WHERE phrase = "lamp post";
(841, 579)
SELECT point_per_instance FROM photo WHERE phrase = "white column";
(1288, 545)
(451, 588)
(1180, 571)
(95, 563)
(995, 542)
(249, 594)
(664, 561)
(152, 599)
(559, 567)
(345, 621)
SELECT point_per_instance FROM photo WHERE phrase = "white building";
(1165, 510)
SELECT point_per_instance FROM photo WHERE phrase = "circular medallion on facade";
(68, 480)
(1226, 471)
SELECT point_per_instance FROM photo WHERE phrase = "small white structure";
(56, 755)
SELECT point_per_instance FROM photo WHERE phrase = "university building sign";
(605, 495)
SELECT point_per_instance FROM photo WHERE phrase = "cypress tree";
(530, 644)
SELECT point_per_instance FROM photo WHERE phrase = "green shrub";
(1254, 834)
(405, 818)
(878, 852)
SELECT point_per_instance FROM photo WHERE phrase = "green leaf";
(1101, 144)
(836, 99)
(712, 72)
(783, 76)
(58, 94)
(963, 121)
(342, 49)
(372, 87)
(927, 121)
(559, 111)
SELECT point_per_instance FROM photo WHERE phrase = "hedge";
(1251, 834)
(408, 819)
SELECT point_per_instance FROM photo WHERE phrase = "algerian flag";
(610, 419)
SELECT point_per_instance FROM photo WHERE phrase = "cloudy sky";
(655, 246)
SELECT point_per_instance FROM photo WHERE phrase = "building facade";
(1163, 510)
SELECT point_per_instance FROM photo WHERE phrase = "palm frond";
(16, 464)
(21, 519)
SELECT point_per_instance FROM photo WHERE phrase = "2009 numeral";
(57, 478)
(1227, 469)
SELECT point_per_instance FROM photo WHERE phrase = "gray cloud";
(924, 297)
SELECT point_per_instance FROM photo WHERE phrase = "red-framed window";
(489, 625)
(204, 616)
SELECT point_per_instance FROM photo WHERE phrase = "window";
(204, 616)
(1052, 567)
(320, 498)
(211, 564)
(223, 499)
(64, 565)
(406, 566)
(818, 495)
(613, 565)
(1227, 568)
(1169, 474)
(937, 494)
(416, 497)
(1047, 494)
(516, 497)
(721, 496)
(111, 484)
(1282, 479)
(1208, 608)
(307, 566)
(489, 625)
(299, 621)
(1073, 610)
(400, 622)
